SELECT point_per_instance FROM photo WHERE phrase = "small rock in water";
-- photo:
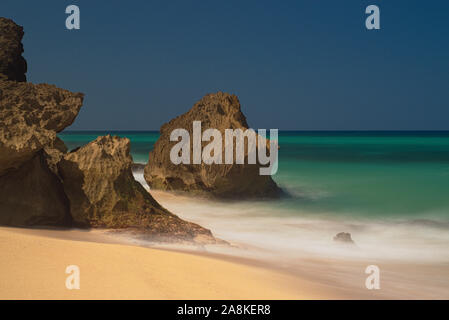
(343, 237)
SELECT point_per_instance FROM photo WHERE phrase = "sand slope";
(32, 266)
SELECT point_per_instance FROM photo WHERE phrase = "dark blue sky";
(304, 65)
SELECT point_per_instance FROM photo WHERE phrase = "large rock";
(103, 193)
(33, 195)
(42, 185)
(31, 192)
(30, 117)
(219, 111)
(12, 64)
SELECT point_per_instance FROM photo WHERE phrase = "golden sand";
(33, 265)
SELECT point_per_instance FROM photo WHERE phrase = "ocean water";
(362, 174)
(390, 190)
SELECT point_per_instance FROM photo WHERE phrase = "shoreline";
(34, 260)
(33, 257)
(422, 273)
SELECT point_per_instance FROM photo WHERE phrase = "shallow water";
(389, 190)
(346, 174)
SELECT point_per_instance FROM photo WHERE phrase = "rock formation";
(30, 117)
(33, 195)
(12, 64)
(344, 237)
(219, 111)
(102, 192)
(43, 185)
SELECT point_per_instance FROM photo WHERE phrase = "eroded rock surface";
(219, 111)
(30, 117)
(12, 64)
(103, 193)
(43, 185)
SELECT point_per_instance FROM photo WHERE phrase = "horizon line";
(280, 130)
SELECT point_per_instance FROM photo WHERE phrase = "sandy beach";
(192, 151)
(115, 265)
(412, 264)
(33, 264)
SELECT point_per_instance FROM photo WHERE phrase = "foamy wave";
(272, 230)
(270, 233)
(138, 169)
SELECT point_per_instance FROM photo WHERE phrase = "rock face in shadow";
(12, 64)
(33, 195)
(30, 116)
(103, 193)
(43, 185)
(219, 111)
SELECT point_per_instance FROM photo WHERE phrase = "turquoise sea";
(357, 174)
(390, 190)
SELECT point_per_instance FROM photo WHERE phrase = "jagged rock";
(33, 195)
(30, 117)
(344, 237)
(219, 111)
(42, 185)
(103, 193)
(55, 151)
(12, 64)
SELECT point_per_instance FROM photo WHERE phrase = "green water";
(339, 174)
(376, 174)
